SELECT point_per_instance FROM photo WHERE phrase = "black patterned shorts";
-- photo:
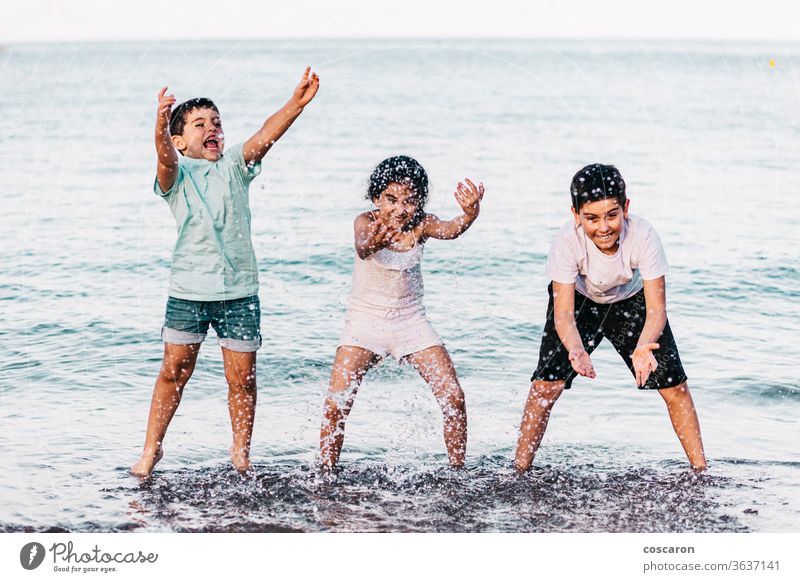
(621, 323)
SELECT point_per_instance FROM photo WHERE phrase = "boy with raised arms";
(214, 274)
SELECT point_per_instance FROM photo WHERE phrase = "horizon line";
(699, 39)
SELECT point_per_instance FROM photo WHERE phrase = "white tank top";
(388, 281)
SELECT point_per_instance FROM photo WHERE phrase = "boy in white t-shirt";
(607, 270)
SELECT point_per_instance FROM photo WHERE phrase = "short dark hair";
(177, 121)
(401, 170)
(596, 182)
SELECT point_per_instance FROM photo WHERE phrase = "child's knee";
(456, 397)
(546, 392)
(453, 403)
(343, 377)
(240, 381)
(336, 403)
(678, 391)
(676, 395)
(176, 374)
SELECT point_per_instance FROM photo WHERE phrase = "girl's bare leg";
(436, 368)
(176, 369)
(240, 372)
(684, 420)
(349, 367)
(542, 396)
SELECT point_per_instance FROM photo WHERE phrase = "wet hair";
(403, 170)
(596, 182)
(177, 121)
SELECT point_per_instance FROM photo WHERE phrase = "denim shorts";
(236, 321)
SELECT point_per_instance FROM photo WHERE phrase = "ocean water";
(706, 135)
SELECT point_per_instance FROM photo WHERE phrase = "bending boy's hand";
(165, 103)
(306, 89)
(644, 362)
(581, 362)
(469, 198)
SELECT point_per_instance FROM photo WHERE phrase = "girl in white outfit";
(385, 314)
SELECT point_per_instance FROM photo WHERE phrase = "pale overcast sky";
(89, 20)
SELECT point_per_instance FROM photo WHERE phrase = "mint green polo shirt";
(213, 258)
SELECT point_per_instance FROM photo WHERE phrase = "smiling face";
(202, 136)
(397, 205)
(602, 222)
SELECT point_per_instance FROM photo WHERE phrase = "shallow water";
(371, 496)
(705, 134)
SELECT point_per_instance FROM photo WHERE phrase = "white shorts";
(389, 333)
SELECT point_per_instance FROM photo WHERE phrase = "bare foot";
(325, 466)
(241, 460)
(144, 466)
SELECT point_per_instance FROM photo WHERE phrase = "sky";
(109, 20)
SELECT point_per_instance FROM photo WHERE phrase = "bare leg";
(349, 367)
(436, 368)
(176, 369)
(542, 396)
(240, 372)
(684, 420)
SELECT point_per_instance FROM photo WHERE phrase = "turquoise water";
(705, 134)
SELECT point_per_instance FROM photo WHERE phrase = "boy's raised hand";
(165, 103)
(307, 88)
(167, 171)
(581, 362)
(469, 197)
(276, 124)
(644, 362)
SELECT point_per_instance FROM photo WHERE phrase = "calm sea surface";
(706, 135)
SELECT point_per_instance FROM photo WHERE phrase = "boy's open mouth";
(211, 143)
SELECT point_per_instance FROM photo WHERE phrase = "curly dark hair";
(401, 170)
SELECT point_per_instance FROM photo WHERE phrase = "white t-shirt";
(574, 258)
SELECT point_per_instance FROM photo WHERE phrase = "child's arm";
(257, 146)
(564, 318)
(655, 299)
(469, 198)
(167, 171)
(371, 235)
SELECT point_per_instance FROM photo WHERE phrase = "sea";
(706, 135)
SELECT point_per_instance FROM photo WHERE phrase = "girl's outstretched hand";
(469, 197)
(307, 88)
(381, 235)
